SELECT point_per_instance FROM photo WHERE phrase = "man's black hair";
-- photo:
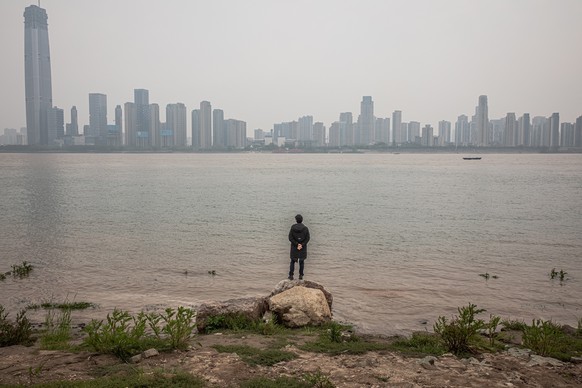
(299, 218)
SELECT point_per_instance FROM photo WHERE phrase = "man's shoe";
(290, 278)
(300, 277)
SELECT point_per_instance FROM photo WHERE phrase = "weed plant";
(256, 356)
(122, 334)
(125, 335)
(560, 275)
(2, 276)
(57, 332)
(491, 328)
(241, 323)
(326, 342)
(543, 337)
(458, 333)
(14, 333)
(318, 380)
(177, 326)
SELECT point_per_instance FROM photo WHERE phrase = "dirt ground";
(30, 365)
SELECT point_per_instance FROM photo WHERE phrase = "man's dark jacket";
(299, 234)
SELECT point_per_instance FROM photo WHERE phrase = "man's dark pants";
(292, 267)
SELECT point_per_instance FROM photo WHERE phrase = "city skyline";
(427, 86)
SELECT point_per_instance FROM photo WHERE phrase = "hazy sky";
(267, 61)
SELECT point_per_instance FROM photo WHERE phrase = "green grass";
(57, 333)
(420, 344)
(14, 333)
(242, 324)
(256, 356)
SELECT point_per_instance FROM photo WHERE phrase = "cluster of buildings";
(137, 124)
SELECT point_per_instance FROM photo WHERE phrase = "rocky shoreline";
(207, 358)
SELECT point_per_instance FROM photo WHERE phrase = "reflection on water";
(398, 239)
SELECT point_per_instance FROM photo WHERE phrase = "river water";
(398, 239)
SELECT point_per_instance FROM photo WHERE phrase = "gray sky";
(267, 61)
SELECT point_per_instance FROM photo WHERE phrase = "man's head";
(299, 218)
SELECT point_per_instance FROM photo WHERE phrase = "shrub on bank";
(17, 332)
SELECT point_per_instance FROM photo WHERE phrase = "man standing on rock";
(299, 237)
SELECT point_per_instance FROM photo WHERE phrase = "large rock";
(300, 306)
(251, 308)
(285, 285)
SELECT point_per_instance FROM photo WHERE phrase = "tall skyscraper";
(444, 132)
(56, 124)
(510, 133)
(554, 130)
(130, 124)
(396, 130)
(366, 122)
(196, 129)
(176, 121)
(524, 131)
(73, 127)
(462, 131)
(305, 133)
(141, 98)
(382, 130)
(155, 130)
(318, 134)
(578, 132)
(413, 132)
(482, 113)
(37, 75)
(427, 139)
(218, 129)
(346, 129)
(205, 119)
(119, 125)
(97, 119)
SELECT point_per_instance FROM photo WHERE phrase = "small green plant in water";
(458, 333)
(21, 270)
(485, 275)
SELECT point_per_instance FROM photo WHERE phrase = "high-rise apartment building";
(176, 115)
(482, 121)
(524, 131)
(56, 124)
(205, 119)
(510, 132)
(318, 134)
(444, 132)
(130, 124)
(196, 129)
(155, 129)
(366, 122)
(567, 135)
(396, 130)
(236, 133)
(427, 139)
(578, 132)
(218, 129)
(37, 75)
(539, 126)
(141, 98)
(305, 130)
(554, 130)
(118, 142)
(382, 130)
(413, 132)
(72, 129)
(346, 129)
(97, 119)
(462, 131)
